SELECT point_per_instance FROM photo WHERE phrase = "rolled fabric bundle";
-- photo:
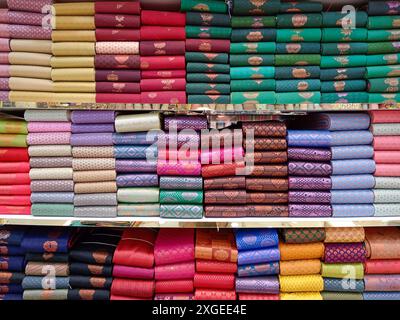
(249, 8)
(52, 197)
(387, 183)
(300, 267)
(239, 73)
(297, 85)
(137, 180)
(181, 197)
(301, 251)
(345, 253)
(95, 187)
(52, 185)
(382, 22)
(298, 97)
(310, 183)
(13, 154)
(384, 129)
(343, 270)
(225, 197)
(134, 210)
(382, 282)
(179, 168)
(185, 270)
(91, 128)
(51, 174)
(207, 57)
(341, 285)
(108, 62)
(214, 281)
(266, 184)
(344, 86)
(253, 85)
(59, 294)
(294, 72)
(303, 235)
(258, 256)
(95, 212)
(47, 138)
(344, 235)
(352, 196)
(386, 143)
(386, 196)
(37, 282)
(303, 283)
(382, 245)
(208, 6)
(266, 285)
(353, 210)
(88, 164)
(253, 97)
(381, 296)
(132, 288)
(258, 270)
(212, 266)
(316, 169)
(13, 140)
(299, 48)
(343, 73)
(139, 166)
(267, 157)
(341, 35)
(301, 35)
(339, 19)
(299, 21)
(137, 138)
(384, 85)
(382, 8)
(52, 210)
(208, 45)
(178, 211)
(181, 183)
(382, 267)
(15, 167)
(383, 59)
(107, 20)
(335, 49)
(40, 268)
(96, 199)
(345, 97)
(211, 294)
(94, 176)
(343, 61)
(138, 195)
(92, 139)
(38, 127)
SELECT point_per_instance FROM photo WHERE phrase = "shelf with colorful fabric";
(93, 163)
(252, 52)
(331, 166)
(342, 269)
(208, 33)
(12, 263)
(15, 188)
(258, 264)
(383, 60)
(298, 52)
(216, 265)
(133, 266)
(91, 264)
(266, 168)
(136, 153)
(382, 271)
(301, 251)
(179, 167)
(47, 263)
(51, 172)
(385, 126)
(344, 57)
(174, 254)
(162, 55)
(74, 52)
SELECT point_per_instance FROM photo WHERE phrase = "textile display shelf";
(206, 108)
(129, 222)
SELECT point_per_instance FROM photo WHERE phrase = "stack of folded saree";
(94, 164)
(331, 166)
(344, 255)
(301, 252)
(343, 62)
(14, 166)
(74, 52)
(258, 264)
(216, 264)
(5, 71)
(174, 264)
(12, 263)
(252, 51)
(179, 167)
(266, 161)
(91, 264)
(51, 171)
(223, 173)
(298, 48)
(385, 126)
(29, 31)
(117, 51)
(135, 149)
(382, 269)
(133, 265)
(47, 268)
(208, 33)
(383, 60)
(162, 53)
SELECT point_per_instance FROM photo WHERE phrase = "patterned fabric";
(345, 252)
(343, 285)
(181, 211)
(300, 267)
(268, 285)
(258, 256)
(216, 245)
(303, 235)
(343, 235)
(256, 270)
(248, 239)
(303, 283)
(310, 169)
